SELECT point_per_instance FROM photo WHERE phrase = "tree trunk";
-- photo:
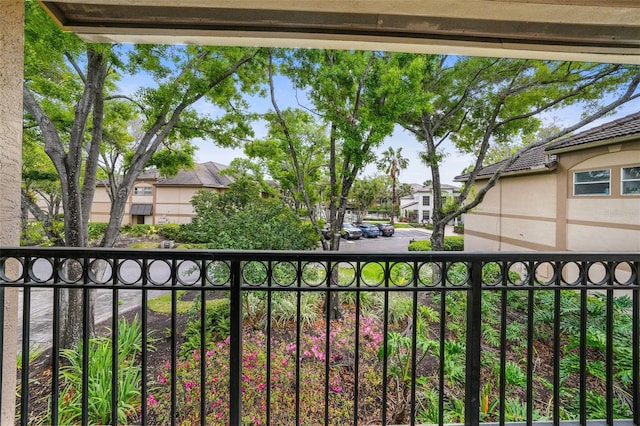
(393, 200)
(437, 236)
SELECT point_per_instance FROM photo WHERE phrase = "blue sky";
(452, 165)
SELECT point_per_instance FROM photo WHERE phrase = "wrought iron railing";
(422, 337)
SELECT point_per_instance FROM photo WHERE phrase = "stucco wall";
(603, 222)
(11, 72)
(517, 214)
(540, 212)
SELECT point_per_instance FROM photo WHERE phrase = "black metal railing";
(419, 337)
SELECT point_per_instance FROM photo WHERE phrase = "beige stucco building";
(579, 193)
(157, 200)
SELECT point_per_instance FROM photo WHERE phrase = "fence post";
(235, 346)
(474, 335)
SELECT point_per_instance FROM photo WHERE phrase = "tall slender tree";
(392, 163)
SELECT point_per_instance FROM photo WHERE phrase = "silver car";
(350, 231)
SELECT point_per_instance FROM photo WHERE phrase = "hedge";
(453, 243)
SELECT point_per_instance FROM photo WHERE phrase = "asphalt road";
(394, 244)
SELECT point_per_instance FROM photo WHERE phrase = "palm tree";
(391, 163)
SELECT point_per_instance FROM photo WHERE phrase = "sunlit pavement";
(396, 243)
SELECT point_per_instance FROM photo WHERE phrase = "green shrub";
(139, 230)
(33, 234)
(217, 325)
(97, 230)
(99, 377)
(458, 229)
(170, 231)
(454, 243)
(422, 245)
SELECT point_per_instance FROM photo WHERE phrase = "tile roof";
(203, 174)
(537, 157)
(625, 126)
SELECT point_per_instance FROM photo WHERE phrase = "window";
(426, 200)
(142, 190)
(592, 182)
(631, 180)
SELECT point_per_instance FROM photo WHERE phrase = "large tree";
(70, 91)
(354, 95)
(479, 103)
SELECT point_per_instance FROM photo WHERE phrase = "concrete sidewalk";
(41, 312)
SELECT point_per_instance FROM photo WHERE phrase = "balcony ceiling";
(590, 30)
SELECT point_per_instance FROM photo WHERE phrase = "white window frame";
(426, 198)
(623, 181)
(599, 194)
(142, 190)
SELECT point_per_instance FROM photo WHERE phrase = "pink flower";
(152, 400)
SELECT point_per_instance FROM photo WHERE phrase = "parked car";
(350, 231)
(386, 229)
(369, 230)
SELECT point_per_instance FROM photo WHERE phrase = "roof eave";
(530, 171)
(595, 144)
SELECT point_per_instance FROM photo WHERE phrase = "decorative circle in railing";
(11, 269)
(457, 273)
(254, 273)
(518, 274)
(624, 273)
(545, 273)
(100, 271)
(492, 274)
(218, 273)
(284, 274)
(41, 270)
(159, 272)
(314, 274)
(598, 273)
(430, 274)
(372, 274)
(70, 271)
(401, 274)
(188, 272)
(572, 273)
(343, 274)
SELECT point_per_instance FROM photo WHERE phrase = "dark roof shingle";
(203, 174)
(531, 159)
(625, 126)
(538, 157)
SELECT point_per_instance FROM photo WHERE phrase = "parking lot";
(397, 243)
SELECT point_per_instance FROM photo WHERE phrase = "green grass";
(162, 304)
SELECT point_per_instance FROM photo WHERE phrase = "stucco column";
(11, 72)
